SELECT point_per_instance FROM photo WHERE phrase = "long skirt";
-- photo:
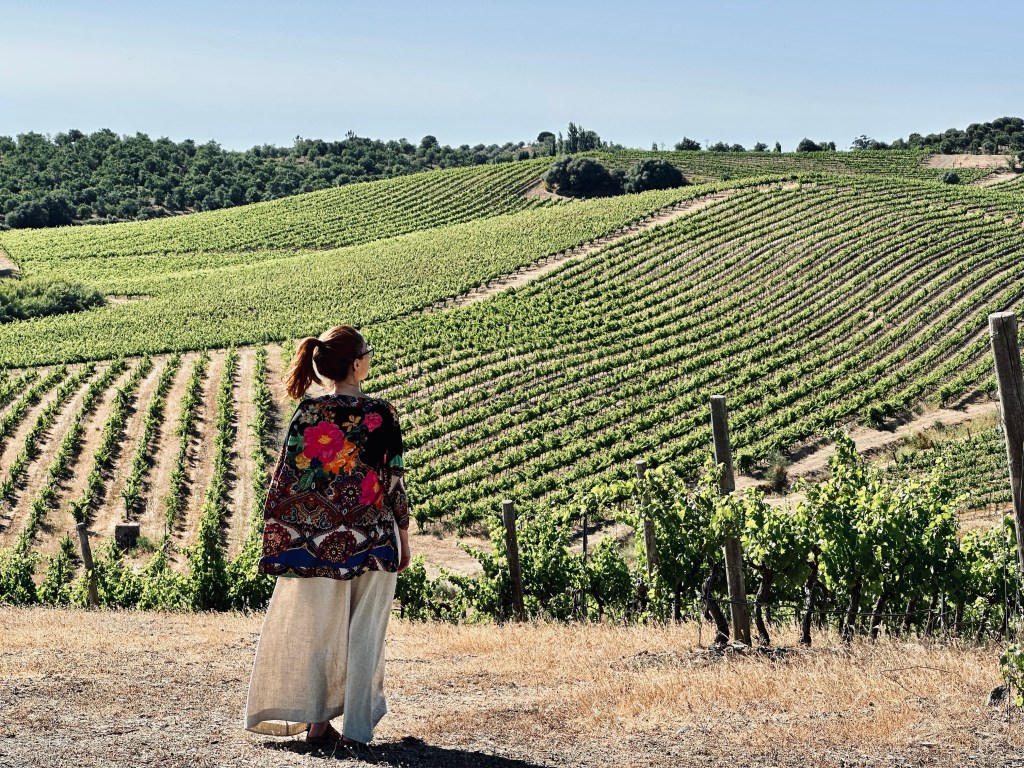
(320, 654)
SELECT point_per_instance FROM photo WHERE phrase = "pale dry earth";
(111, 511)
(37, 472)
(123, 688)
(8, 267)
(10, 517)
(995, 178)
(157, 478)
(965, 161)
(200, 457)
(812, 460)
(60, 520)
(241, 492)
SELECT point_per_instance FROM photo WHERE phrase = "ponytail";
(302, 374)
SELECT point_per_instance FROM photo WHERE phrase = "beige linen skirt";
(320, 654)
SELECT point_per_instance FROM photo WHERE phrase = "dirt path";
(200, 463)
(151, 689)
(542, 266)
(444, 551)
(13, 510)
(11, 446)
(60, 521)
(237, 524)
(995, 178)
(38, 470)
(111, 511)
(281, 408)
(8, 267)
(813, 459)
(158, 479)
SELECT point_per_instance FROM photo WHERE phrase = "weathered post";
(583, 589)
(733, 553)
(650, 545)
(508, 516)
(83, 541)
(1002, 329)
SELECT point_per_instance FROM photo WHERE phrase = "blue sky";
(640, 72)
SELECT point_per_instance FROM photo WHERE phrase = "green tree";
(652, 173)
(687, 144)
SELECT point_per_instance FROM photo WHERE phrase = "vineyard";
(909, 164)
(812, 292)
(975, 460)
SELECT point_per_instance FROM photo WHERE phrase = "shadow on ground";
(408, 752)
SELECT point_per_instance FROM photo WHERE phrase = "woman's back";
(336, 496)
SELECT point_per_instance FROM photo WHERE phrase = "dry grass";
(129, 688)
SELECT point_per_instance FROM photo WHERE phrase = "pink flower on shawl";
(372, 492)
(322, 441)
(372, 421)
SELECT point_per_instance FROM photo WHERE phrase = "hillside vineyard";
(808, 299)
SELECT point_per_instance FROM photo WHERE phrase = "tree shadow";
(408, 751)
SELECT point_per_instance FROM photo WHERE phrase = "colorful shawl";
(337, 491)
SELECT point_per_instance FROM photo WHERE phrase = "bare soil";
(9, 450)
(241, 496)
(811, 460)
(277, 370)
(539, 191)
(443, 551)
(151, 689)
(111, 511)
(60, 520)
(158, 478)
(200, 461)
(37, 471)
(965, 161)
(8, 267)
(995, 178)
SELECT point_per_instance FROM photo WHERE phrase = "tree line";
(101, 177)
(79, 178)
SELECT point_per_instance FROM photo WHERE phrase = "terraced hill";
(808, 301)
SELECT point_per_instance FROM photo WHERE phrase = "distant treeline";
(1003, 135)
(78, 178)
(102, 177)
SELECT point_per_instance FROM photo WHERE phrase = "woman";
(336, 533)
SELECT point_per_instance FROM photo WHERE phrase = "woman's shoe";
(329, 736)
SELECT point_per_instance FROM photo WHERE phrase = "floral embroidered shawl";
(337, 491)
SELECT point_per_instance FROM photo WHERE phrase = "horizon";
(479, 75)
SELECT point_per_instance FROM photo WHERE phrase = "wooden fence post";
(508, 516)
(650, 544)
(583, 590)
(733, 553)
(1002, 328)
(83, 541)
